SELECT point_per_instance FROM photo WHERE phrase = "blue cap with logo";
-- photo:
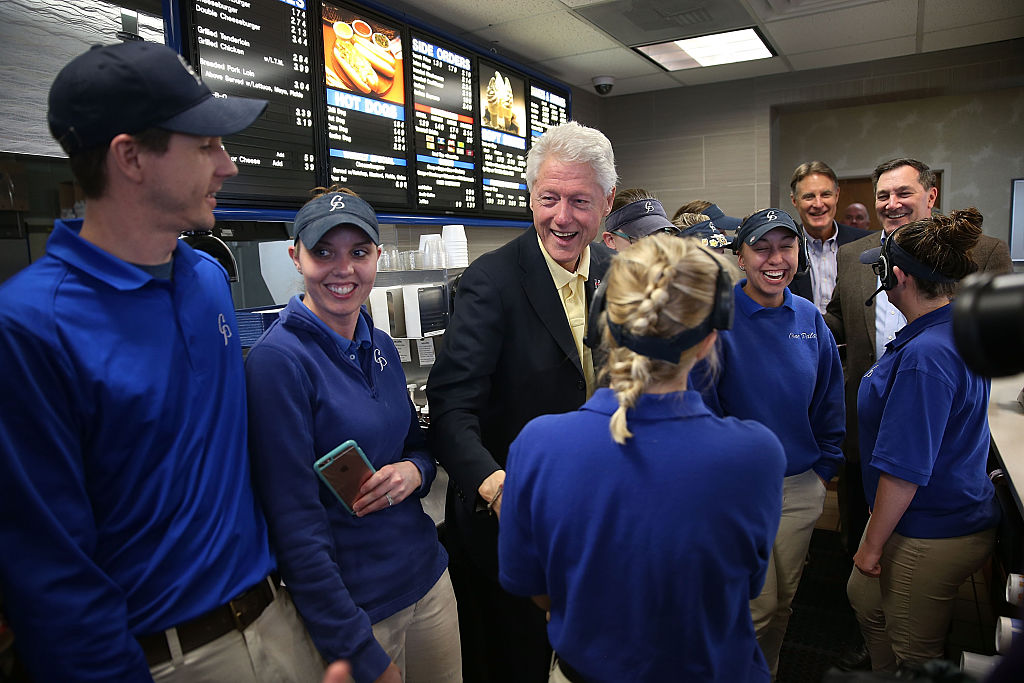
(132, 86)
(639, 219)
(330, 210)
(758, 224)
(722, 222)
(708, 234)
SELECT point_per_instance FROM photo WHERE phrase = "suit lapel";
(541, 293)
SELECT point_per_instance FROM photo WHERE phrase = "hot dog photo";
(362, 55)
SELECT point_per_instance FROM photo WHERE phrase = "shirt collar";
(67, 245)
(943, 314)
(560, 275)
(652, 406)
(828, 240)
(749, 307)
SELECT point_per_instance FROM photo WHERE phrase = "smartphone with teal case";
(344, 470)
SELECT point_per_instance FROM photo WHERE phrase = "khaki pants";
(905, 613)
(423, 639)
(276, 648)
(803, 496)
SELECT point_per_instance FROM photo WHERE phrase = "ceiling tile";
(478, 14)
(881, 21)
(989, 32)
(580, 68)
(556, 34)
(852, 54)
(953, 14)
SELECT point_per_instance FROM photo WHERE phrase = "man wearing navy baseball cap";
(134, 548)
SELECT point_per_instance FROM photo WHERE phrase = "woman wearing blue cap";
(372, 585)
(924, 441)
(647, 568)
(780, 366)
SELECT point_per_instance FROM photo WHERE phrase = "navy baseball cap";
(758, 224)
(132, 86)
(330, 210)
(721, 221)
(639, 219)
(708, 233)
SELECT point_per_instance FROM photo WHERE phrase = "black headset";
(892, 254)
(665, 348)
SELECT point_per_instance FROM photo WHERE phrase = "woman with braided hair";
(641, 521)
(924, 442)
(781, 367)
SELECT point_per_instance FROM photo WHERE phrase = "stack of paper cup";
(1015, 589)
(1007, 631)
(455, 245)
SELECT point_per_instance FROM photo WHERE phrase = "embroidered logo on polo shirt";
(225, 329)
(870, 371)
(803, 335)
(379, 359)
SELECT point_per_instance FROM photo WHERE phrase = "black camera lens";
(988, 323)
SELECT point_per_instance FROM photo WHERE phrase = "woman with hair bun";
(924, 441)
(641, 521)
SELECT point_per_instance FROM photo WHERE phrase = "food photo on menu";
(502, 103)
(362, 56)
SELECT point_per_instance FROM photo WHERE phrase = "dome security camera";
(603, 84)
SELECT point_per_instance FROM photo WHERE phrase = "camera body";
(988, 323)
(603, 84)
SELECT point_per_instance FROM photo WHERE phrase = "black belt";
(572, 674)
(236, 615)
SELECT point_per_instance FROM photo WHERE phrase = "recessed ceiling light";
(718, 48)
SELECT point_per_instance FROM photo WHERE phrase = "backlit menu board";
(259, 48)
(503, 140)
(547, 108)
(442, 96)
(366, 106)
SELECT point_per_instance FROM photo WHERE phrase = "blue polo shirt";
(125, 503)
(780, 366)
(651, 550)
(923, 418)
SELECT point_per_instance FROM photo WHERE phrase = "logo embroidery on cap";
(379, 359)
(771, 216)
(337, 202)
(188, 68)
(648, 207)
(225, 329)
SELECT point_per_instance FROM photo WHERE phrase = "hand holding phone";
(344, 470)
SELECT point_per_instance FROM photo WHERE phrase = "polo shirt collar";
(749, 307)
(930, 319)
(560, 275)
(67, 245)
(652, 406)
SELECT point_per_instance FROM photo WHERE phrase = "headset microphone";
(872, 297)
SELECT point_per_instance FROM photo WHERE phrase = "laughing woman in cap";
(648, 570)
(372, 586)
(924, 442)
(781, 367)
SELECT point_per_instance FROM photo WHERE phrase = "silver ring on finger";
(390, 500)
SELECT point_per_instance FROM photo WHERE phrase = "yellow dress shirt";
(572, 293)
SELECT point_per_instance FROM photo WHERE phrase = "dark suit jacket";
(852, 323)
(801, 284)
(507, 357)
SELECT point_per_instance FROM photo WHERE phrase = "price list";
(366, 107)
(260, 48)
(547, 109)
(503, 141)
(442, 95)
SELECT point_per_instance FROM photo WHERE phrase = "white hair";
(573, 143)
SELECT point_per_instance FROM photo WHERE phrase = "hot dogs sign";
(362, 56)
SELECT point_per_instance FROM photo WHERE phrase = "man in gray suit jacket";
(905, 191)
(814, 191)
(514, 351)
